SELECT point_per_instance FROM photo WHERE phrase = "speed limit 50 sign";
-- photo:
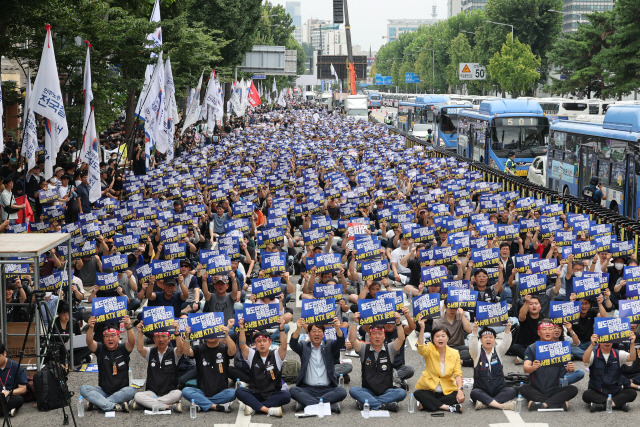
(472, 71)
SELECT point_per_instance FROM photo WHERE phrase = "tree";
(515, 67)
(459, 51)
(619, 55)
(575, 55)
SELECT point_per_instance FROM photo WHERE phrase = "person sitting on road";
(162, 371)
(605, 375)
(440, 386)
(14, 382)
(489, 387)
(212, 366)
(317, 377)
(377, 367)
(113, 391)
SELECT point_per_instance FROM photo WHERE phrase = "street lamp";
(468, 32)
(433, 68)
(506, 25)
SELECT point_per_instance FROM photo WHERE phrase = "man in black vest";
(544, 390)
(162, 371)
(264, 393)
(605, 376)
(212, 367)
(113, 391)
(489, 387)
(317, 376)
(377, 367)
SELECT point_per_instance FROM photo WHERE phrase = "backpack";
(48, 386)
(290, 369)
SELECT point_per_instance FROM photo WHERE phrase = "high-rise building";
(575, 11)
(293, 9)
(472, 5)
(312, 32)
(454, 7)
(395, 27)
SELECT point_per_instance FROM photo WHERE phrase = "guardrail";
(624, 228)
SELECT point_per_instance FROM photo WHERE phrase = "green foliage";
(515, 67)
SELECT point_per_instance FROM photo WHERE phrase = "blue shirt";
(219, 222)
(10, 372)
(175, 301)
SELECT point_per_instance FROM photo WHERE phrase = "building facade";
(575, 11)
(395, 27)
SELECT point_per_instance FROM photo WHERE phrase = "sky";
(368, 18)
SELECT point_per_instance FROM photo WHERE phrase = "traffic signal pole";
(350, 65)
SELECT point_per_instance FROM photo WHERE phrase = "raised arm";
(91, 343)
(140, 341)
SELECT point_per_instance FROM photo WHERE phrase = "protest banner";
(218, 265)
(175, 250)
(327, 263)
(107, 281)
(163, 269)
(321, 291)
(543, 266)
(273, 262)
(612, 329)
(491, 314)
(532, 284)
(367, 247)
(446, 284)
(522, 262)
(426, 306)
(583, 250)
(157, 319)
(622, 249)
(267, 287)
(318, 311)
(398, 295)
(461, 298)
(143, 273)
(372, 270)
(52, 282)
(630, 309)
(126, 242)
(377, 311)
(553, 352)
(564, 311)
(432, 276)
(260, 316)
(586, 287)
(314, 236)
(206, 325)
(109, 309)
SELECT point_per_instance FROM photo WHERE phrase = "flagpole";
(84, 131)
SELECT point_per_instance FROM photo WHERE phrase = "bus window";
(594, 109)
(618, 150)
(574, 106)
(618, 174)
(449, 123)
(558, 140)
(603, 171)
(550, 108)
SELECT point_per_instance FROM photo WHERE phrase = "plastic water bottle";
(130, 376)
(412, 404)
(321, 409)
(519, 403)
(365, 409)
(80, 407)
(341, 381)
(564, 381)
(193, 410)
(609, 404)
(238, 385)
(155, 407)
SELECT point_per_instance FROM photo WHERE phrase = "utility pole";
(351, 67)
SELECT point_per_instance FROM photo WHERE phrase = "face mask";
(619, 265)
(578, 274)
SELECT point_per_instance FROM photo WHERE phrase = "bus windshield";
(374, 97)
(527, 136)
(449, 123)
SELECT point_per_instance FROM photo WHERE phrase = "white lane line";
(516, 420)
(243, 421)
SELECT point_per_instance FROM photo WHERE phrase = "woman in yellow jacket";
(440, 386)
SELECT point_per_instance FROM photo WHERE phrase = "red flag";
(27, 210)
(254, 96)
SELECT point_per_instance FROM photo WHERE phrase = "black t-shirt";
(528, 330)
(584, 327)
(212, 364)
(414, 266)
(106, 359)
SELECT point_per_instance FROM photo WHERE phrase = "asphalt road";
(350, 416)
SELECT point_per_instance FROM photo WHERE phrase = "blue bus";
(419, 110)
(375, 100)
(446, 123)
(608, 150)
(499, 126)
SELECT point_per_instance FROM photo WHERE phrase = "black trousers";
(619, 399)
(504, 395)
(518, 350)
(13, 402)
(431, 401)
(554, 400)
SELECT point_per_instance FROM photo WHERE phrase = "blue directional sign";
(259, 77)
(412, 77)
(384, 80)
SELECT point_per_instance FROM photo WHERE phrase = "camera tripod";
(52, 350)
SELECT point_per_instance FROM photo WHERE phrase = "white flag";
(155, 40)
(154, 110)
(87, 92)
(274, 89)
(172, 110)
(46, 100)
(93, 159)
(281, 100)
(1, 113)
(30, 138)
(193, 108)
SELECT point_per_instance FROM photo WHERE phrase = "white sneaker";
(248, 411)
(275, 412)
(480, 405)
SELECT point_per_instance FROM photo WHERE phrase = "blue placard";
(52, 282)
(115, 262)
(109, 309)
(260, 316)
(175, 250)
(485, 257)
(564, 311)
(157, 319)
(314, 236)
(107, 281)
(267, 287)
(206, 325)
(426, 306)
(164, 269)
(586, 287)
(422, 234)
(273, 262)
(372, 270)
(327, 291)
(398, 295)
(630, 309)
(621, 249)
(327, 263)
(432, 276)
(492, 314)
(143, 273)
(612, 329)
(522, 261)
(583, 250)
(543, 266)
(377, 311)
(366, 247)
(126, 242)
(553, 352)
(318, 311)
(508, 232)
(219, 265)
(461, 298)
(532, 284)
